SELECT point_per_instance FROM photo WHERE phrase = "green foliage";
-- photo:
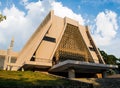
(2, 17)
(109, 59)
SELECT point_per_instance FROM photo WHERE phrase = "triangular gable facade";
(56, 40)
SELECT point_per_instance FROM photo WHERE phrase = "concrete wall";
(3, 54)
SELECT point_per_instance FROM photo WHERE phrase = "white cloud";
(2, 39)
(112, 48)
(37, 11)
(13, 26)
(106, 27)
(22, 24)
(63, 11)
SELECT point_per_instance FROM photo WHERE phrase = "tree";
(109, 59)
(112, 59)
(2, 17)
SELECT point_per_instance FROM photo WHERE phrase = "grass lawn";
(28, 78)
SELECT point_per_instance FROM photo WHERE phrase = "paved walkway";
(110, 82)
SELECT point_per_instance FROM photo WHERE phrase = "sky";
(24, 16)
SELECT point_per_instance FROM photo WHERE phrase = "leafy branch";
(2, 17)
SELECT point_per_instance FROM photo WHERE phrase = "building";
(59, 45)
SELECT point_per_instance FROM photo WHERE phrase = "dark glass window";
(50, 39)
(91, 48)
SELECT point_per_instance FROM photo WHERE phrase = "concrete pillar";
(7, 58)
(8, 68)
(5, 62)
(104, 74)
(9, 61)
(71, 73)
(22, 69)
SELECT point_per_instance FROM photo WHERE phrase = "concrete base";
(71, 73)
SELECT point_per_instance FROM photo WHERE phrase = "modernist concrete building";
(59, 45)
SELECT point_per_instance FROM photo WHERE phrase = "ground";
(18, 79)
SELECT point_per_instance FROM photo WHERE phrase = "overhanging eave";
(82, 66)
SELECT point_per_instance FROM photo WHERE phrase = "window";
(91, 48)
(50, 39)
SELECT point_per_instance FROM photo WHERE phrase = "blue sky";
(24, 16)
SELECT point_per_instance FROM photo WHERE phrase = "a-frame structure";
(61, 45)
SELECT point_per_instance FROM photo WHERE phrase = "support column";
(22, 69)
(71, 73)
(7, 59)
(104, 74)
(8, 68)
(5, 62)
